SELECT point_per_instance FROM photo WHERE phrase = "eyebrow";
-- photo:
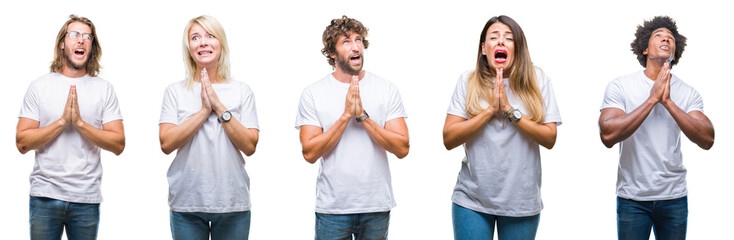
(661, 30)
(497, 31)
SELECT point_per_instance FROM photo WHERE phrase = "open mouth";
(203, 53)
(355, 59)
(665, 47)
(500, 56)
(79, 52)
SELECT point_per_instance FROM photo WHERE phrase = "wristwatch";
(226, 116)
(513, 114)
(363, 117)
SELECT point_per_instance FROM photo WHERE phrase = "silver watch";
(514, 115)
(226, 116)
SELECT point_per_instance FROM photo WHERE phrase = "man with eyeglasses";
(67, 115)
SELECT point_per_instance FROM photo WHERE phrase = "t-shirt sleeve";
(552, 113)
(248, 116)
(695, 103)
(169, 109)
(29, 108)
(307, 111)
(613, 96)
(457, 106)
(395, 107)
(112, 107)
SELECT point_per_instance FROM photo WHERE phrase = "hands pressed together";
(353, 105)
(71, 113)
(660, 91)
(498, 104)
(209, 99)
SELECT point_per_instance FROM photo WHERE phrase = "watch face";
(517, 114)
(226, 116)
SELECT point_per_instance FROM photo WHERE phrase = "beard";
(343, 62)
(74, 65)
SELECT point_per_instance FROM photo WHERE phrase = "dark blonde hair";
(523, 79)
(213, 27)
(92, 66)
(341, 27)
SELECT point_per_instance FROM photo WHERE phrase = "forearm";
(543, 134)
(457, 130)
(245, 139)
(699, 131)
(176, 136)
(394, 142)
(315, 147)
(618, 128)
(33, 138)
(108, 140)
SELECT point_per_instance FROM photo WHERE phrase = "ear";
(61, 44)
(484, 49)
(332, 56)
(644, 52)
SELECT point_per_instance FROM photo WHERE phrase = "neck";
(346, 77)
(70, 72)
(654, 66)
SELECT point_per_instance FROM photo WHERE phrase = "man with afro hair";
(645, 112)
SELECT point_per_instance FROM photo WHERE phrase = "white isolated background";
(420, 46)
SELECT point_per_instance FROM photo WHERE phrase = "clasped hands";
(353, 104)
(660, 91)
(71, 113)
(209, 99)
(498, 104)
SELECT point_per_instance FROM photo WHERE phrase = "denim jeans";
(470, 224)
(362, 226)
(196, 225)
(668, 218)
(49, 217)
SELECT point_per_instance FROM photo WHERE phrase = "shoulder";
(240, 84)
(45, 78)
(321, 84)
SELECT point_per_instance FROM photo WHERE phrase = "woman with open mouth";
(211, 120)
(501, 112)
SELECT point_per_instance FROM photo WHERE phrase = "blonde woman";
(501, 111)
(209, 118)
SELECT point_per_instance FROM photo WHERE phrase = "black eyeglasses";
(75, 35)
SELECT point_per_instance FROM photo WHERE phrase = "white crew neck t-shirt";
(68, 168)
(650, 160)
(354, 177)
(208, 173)
(501, 173)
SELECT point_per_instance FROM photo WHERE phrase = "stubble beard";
(74, 65)
(344, 65)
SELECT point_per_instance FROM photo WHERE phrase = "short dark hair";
(644, 32)
(341, 27)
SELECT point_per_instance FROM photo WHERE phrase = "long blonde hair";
(523, 78)
(212, 26)
(92, 65)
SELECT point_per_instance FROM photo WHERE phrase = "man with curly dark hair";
(353, 188)
(645, 112)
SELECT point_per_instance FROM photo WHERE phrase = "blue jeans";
(49, 217)
(362, 226)
(470, 224)
(196, 225)
(668, 218)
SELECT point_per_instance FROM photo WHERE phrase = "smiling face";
(661, 44)
(204, 47)
(499, 47)
(76, 50)
(349, 55)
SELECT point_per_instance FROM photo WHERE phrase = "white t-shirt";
(650, 160)
(501, 173)
(354, 177)
(68, 167)
(208, 173)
